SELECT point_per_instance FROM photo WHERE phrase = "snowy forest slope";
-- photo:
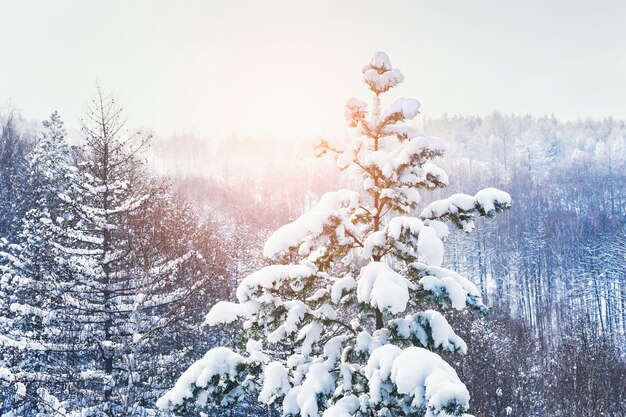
(556, 259)
(554, 267)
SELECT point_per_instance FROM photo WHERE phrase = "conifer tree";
(33, 277)
(343, 319)
(132, 272)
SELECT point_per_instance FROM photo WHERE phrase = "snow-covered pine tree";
(32, 279)
(133, 274)
(339, 323)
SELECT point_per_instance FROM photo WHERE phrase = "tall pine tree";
(133, 272)
(343, 320)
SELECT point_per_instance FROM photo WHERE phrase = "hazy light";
(286, 68)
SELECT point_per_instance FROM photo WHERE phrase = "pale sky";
(287, 67)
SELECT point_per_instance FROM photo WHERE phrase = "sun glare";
(281, 91)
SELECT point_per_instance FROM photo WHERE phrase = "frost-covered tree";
(33, 279)
(134, 270)
(343, 321)
(15, 144)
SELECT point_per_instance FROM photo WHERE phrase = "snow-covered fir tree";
(33, 280)
(343, 321)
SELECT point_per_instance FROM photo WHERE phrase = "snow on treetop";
(380, 62)
(379, 83)
(333, 207)
(380, 75)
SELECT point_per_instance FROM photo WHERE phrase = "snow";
(427, 378)
(381, 82)
(436, 172)
(217, 361)
(20, 389)
(378, 369)
(309, 334)
(402, 132)
(318, 382)
(401, 224)
(297, 310)
(452, 204)
(417, 146)
(440, 227)
(380, 75)
(487, 200)
(402, 109)
(275, 382)
(489, 197)
(332, 350)
(426, 327)
(345, 407)
(355, 110)
(340, 286)
(455, 292)
(366, 343)
(272, 277)
(429, 246)
(290, 402)
(459, 290)
(224, 312)
(375, 240)
(380, 61)
(336, 206)
(383, 288)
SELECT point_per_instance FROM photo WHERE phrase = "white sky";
(286, 67)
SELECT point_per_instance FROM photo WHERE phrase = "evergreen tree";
(15, 145)
(134, 269)
(31, 286)
(342, 322)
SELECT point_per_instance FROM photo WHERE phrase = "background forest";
(552, 268)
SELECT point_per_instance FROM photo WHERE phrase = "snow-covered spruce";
(335, 325)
